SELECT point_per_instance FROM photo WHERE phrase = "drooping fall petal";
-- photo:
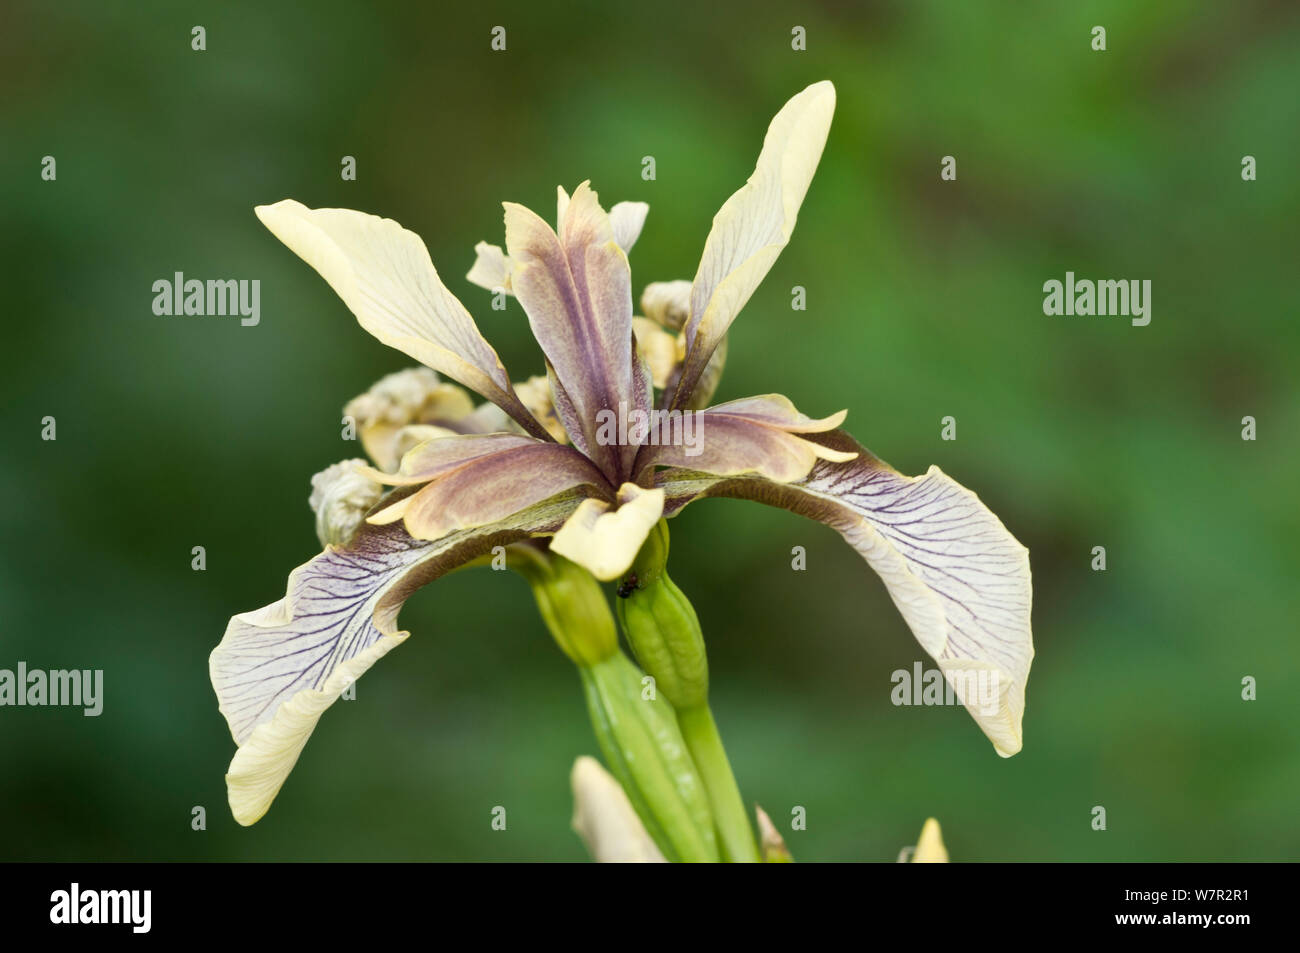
(753, 226)
(384, 275)
(959, 578)
(278, 668)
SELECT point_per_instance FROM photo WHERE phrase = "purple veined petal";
(278, 668)
(960, 580)
(753, 226)
(481, 489)
(576, 289)
(754, 435)
(384, 275)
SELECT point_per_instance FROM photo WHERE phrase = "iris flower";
(541, 462)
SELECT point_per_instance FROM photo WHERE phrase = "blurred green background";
(924, 300)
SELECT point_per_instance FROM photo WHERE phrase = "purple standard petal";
(576, 289)
(959, 578)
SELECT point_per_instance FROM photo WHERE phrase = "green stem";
(700, 732)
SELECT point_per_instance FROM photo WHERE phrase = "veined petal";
(605, 542)
(384, 275)
(278, 668)
(576, 289)
(753, 226)
(486, 487)
(758, 435)
(627, 219)
(959, 578)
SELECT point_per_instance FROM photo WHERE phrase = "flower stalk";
(664, 632)
(637, 730)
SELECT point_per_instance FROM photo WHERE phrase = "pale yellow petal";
(929, 846)
(627, 219)
(491, 268)
(754, 225)
(605, 542)
(384, 275)
(263, 762)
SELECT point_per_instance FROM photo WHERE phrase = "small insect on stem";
(628, 586)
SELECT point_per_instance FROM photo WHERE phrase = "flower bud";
(667, 303)
(662, 627)
(571, 603)
(340, 497)
(605, 819)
